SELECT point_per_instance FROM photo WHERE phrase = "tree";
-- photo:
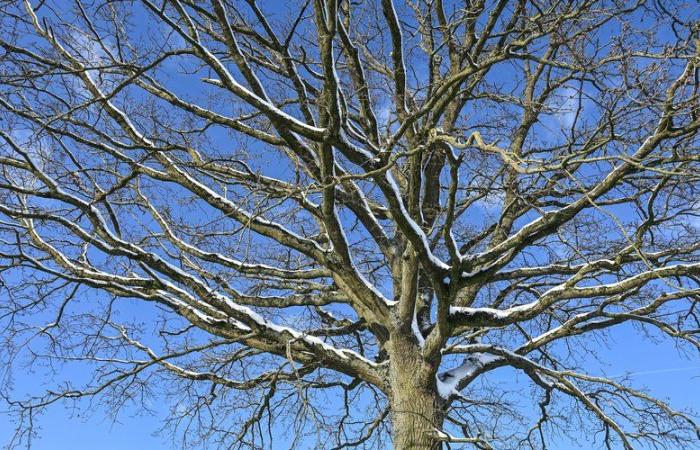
(343, 216)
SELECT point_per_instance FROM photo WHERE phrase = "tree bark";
(417, 408)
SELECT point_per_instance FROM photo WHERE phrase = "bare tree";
(343, 215)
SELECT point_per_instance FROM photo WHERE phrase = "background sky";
(656, 366)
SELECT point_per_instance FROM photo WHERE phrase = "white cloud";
(384, 115)
(568, 109)
(694, 221)
(493, 201)
(93, 54)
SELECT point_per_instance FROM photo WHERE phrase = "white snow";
(416, 329)
(497, 314)
(414, 226)
(311, 340)
(447, 381)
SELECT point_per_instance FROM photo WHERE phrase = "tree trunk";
(416, 407)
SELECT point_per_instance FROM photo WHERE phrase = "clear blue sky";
(656, 366)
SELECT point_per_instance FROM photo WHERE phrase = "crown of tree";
(347, 219)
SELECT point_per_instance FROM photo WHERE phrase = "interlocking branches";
(350, 215)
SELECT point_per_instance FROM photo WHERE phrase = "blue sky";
(656, 366)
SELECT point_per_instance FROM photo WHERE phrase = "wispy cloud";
(656, 371)
(94, 54)
(568, 109)
(694, 221)
(384, 114)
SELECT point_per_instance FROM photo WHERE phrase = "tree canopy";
(340, 218)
